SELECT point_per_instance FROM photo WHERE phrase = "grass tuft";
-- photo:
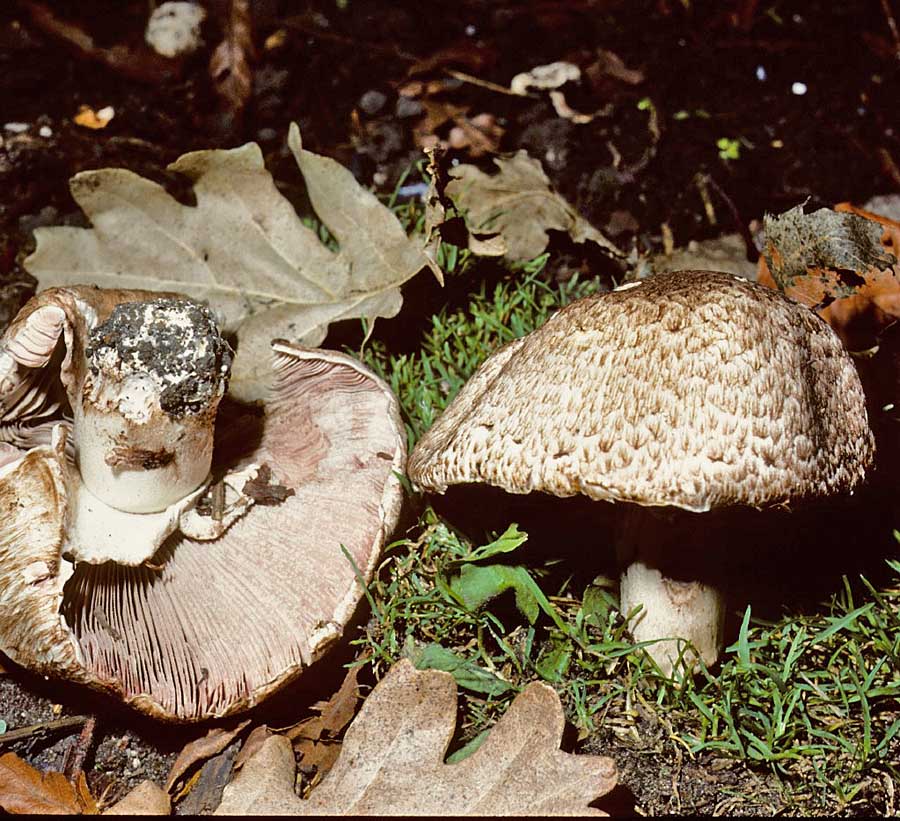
(813, 699)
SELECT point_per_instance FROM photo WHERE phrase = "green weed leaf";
(466, 673)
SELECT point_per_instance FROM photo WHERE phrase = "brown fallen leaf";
(842, 263)
(229, 66)
(207, 789)
(255, 740)
(516, 207)
(435, 202)
(25, 790)
(471, 55)
(145, 799)
(608, 64)
(316, 738)
(85, 799)
(265, 785)
(392, 761)
(216, 740)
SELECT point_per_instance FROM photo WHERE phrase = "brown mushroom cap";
(692, 389)
(205, 628)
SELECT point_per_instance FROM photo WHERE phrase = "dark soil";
(712, 113)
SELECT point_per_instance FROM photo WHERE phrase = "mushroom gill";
(251, 584)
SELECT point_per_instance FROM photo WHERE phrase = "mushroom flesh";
(188, 569)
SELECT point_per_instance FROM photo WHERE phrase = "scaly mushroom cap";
(304, 493)
(693, 389)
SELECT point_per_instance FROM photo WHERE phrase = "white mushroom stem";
(143, 422)
(674, 609)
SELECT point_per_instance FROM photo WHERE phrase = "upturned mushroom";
(189, 566)
(690, 391)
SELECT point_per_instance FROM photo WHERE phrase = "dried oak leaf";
(842, 263)
(25, 790)
(392, 761)
(145, 799)
(200, 749)
(316, 738)
(242, 248)
(516, 207)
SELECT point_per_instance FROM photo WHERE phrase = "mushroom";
(689, 391)
(191, 570)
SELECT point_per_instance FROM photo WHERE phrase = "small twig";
(477, 81)
(889, 166)
(44, 728)
(752, 252)
(141, 63)
(892, 25)
(300, 25)
(79, 749)
(218, 501)
(709, 209)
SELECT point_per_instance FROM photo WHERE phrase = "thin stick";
(889, 166)
(739, 224)
(892, 25)
(45, 727)
(79, 749)
(142, 63)
(477, 81)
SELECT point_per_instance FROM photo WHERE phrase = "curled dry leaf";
(609, 64)
(550, 77)
(392, 761)
(516, 207)
(316, 738)
(255, 740)
(216, 740)
(843, 263)
(25, 790)
(435, 208)
(242, 249)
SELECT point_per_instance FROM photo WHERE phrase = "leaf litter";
(842, 263)
(392, 760)
(26, 790)
(509, 213)
(242, 249)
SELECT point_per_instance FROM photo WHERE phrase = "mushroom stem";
(144, 417)
(675, 606)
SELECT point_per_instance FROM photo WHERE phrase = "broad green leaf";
(553, 661)
(596, 604)
(467, 749)
(474, 585)
(466, 673)
(508, 541)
